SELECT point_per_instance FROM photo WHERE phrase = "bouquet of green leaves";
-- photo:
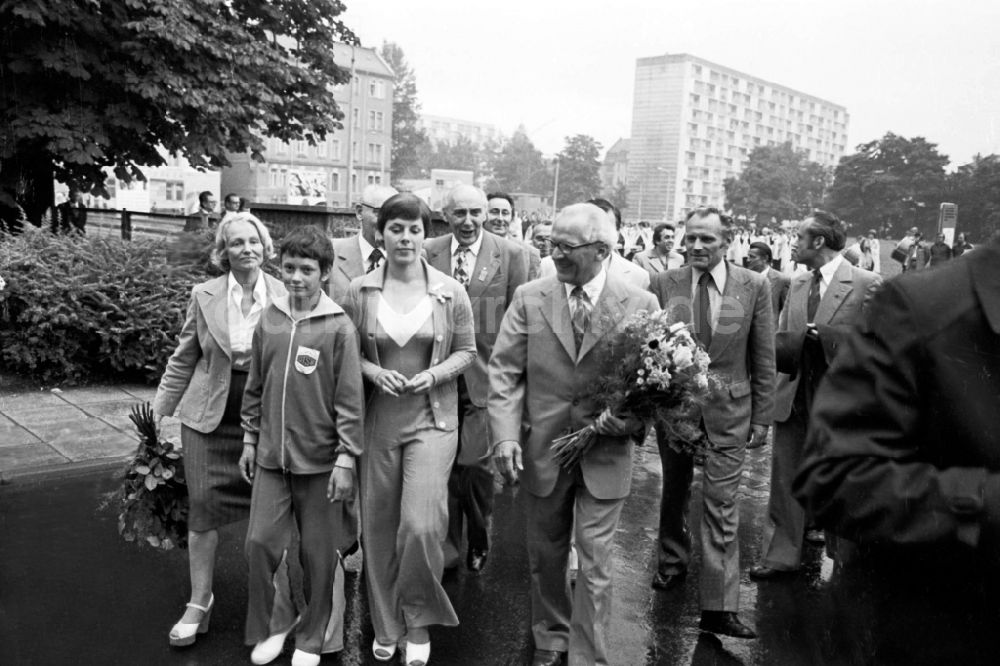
(152, 499)
(656, 372)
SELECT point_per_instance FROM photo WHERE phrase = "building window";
(275, 179)
(282, 148)
(354, 181)
(335, 149)
(374, 179)
(300, 147)
(375, 152)
(371, 121)
(175, 190)
(380, 121)
(357, 84)
(376, 89)
(334, 180)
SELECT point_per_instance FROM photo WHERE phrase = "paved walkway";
(46, 431)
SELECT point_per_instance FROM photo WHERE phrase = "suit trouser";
(280, 502)
(719, 582)
(786, 518)
(404, 521)
(470, 485)
(559, 621)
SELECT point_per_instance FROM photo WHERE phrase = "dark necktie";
(812, 304)
(703, 311)
(581, 315)
(461, 271)
(374, 260)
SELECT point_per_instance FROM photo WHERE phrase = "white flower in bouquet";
(683, 357)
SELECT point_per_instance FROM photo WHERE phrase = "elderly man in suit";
(823, 305)
(731, 312)
(759, 258)
(902, 458)
(545, 362)
(491, 268)
(356, 255)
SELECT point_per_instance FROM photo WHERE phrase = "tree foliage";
(890, 184)
(619, 196)
(975, 188)
(462, 154)
(519, 166)
(777, 181)
(407, 135)
(579, 170)
(89, 84)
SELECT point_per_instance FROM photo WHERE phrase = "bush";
(81, 308)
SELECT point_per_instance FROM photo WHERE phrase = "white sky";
(926, 68)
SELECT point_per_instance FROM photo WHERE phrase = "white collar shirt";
(719, 275)
(593, 289)
(366, 252)
(827, 271)
(240, 327)
(474, 248)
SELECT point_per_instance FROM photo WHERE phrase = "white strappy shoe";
(185, 633)
(418, 654)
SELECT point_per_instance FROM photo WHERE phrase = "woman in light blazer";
(417, 337)
(203, 385)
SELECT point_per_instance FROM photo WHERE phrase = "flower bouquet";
(654, 372)
(152, 499)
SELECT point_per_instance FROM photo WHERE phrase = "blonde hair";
(219, 255)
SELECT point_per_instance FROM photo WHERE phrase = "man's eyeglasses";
(566, 248)
(461, 213)
(372, 208)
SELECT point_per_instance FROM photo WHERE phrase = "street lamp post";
(555, 189)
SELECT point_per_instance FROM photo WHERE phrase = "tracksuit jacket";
(304, 401)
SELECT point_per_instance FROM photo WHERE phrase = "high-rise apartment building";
(694, 124)
(335, 171)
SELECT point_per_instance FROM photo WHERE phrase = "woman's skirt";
(216, 490)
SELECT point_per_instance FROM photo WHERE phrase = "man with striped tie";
(491, 268)
(356, 255)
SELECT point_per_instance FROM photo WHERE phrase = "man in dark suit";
(823, 306)
(491, 268)
(732, 316)
(902, 458)
(362, 253)
(759, 259)
(205, 217)
(546, 360)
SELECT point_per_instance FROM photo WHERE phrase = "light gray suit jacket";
(539, 382)
(501, 267)
(195, 383)
(838, 311)
(742, 349)
(347, 265)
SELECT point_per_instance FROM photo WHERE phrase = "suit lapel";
(836, 293)
(558, 317)
(733, 310)
(487, 264)
(350, 262)
(214, 308)
(604, 318)
(439, 256)
(798, 302)
(678, 296)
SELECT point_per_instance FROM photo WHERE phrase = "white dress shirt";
(593, 290)
(719, 274)
(474, 248)
(826, 273)
(240, 327)
(366, 252)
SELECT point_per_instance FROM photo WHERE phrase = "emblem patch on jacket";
(306, 360)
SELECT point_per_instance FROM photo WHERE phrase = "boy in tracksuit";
(302, 420)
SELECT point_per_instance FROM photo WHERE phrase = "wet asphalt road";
(71, 592)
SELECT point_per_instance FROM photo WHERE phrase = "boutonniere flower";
(438, 292)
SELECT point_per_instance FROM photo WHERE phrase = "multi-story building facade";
(694, 124)
(614, 169)
(441, 129)
(335, 171)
